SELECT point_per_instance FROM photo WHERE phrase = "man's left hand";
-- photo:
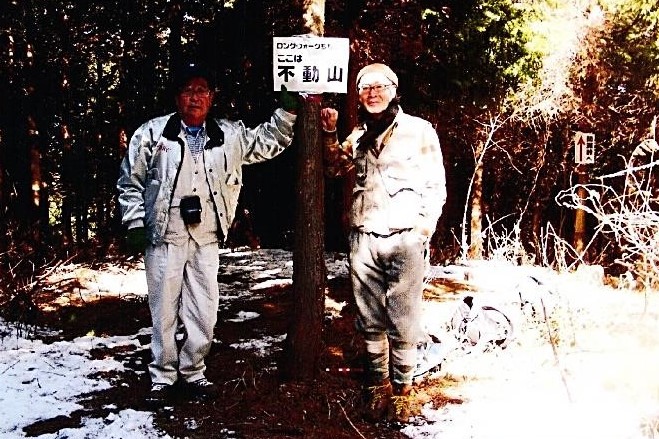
(289, 100)
(136, 240)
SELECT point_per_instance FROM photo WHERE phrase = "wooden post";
(580, 214)
(304, 339)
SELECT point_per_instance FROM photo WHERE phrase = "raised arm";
(338, 157)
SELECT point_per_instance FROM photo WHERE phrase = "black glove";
(288, 100)
(136, 240)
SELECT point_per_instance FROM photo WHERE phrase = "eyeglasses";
(198, 92)
(367, 88)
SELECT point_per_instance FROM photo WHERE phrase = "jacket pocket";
(396, 179)
(234, 183)
(151, 191)
(360, 166)
(404, 197)
(234, 179)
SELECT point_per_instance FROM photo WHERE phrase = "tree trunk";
(175, 26)
(81, 190)
(36, 184)
(304, 339)
(536, 226)
(476, 221)
(3, 147)
(580, 216)
(351, 112)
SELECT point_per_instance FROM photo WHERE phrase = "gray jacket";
(151, 167)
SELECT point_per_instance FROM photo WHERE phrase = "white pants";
(182, 285)
(387, 282)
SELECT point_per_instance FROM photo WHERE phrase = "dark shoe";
(400, 404)
(203, 388)
(159, 394)
(377, 400)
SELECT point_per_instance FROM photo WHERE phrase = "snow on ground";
(587, 370)
(41, 381)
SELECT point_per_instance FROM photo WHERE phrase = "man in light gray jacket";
(399, 193)
(178, 191)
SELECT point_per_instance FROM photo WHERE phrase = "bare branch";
(629, 217)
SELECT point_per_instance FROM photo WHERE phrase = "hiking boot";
(159, 394)
(400, 403)
(377, 400)
(203, 388)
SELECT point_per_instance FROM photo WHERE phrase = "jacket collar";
(213, 131)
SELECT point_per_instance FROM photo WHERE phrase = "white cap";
(377, 72)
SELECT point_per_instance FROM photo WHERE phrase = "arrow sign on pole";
(584, 148)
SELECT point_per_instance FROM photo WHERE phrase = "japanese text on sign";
(584, 148)
(310, 64)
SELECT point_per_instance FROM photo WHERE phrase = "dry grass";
(587, 368)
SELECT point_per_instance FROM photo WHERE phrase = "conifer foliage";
(76, 79)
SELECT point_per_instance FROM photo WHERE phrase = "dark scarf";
(375, 127)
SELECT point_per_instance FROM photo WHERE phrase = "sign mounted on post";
(310, 64)
(584, 148)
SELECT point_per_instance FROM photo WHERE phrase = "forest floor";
(584, 367)
(255, 402)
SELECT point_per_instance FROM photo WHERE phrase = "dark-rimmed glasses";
(378, 88)
(197, 92)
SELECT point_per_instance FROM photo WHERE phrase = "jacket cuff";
(288, 117)
(330, 138)
(134, 224)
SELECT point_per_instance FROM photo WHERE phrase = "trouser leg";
(403, 359)
(369, 289)
(404, 303)
(387, 276)
(198, 312)
(377, 357)
(164, 265)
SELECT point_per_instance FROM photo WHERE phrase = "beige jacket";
(404, 187)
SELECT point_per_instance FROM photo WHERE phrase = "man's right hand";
(136, 240)
(328, 118)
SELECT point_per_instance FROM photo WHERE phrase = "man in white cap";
(399, 193)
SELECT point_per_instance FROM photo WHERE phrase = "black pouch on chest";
(191, 209)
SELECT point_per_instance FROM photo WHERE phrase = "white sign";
(311, 64)
(584, 148)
